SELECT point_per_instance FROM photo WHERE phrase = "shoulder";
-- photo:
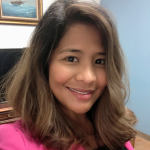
(128, 146)
(13, 137)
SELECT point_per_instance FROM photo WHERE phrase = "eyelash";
(102, 61)
(71, 57)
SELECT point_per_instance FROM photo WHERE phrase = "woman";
(70, 85)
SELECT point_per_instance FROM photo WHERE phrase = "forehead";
(81, 36)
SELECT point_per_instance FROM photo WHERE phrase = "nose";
(86, 74)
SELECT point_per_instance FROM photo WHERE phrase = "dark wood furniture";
(7, 114)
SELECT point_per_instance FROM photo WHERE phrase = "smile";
(79, 91)
(81, 94)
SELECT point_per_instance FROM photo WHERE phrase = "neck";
(81, 120)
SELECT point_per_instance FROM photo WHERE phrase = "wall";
(133, 22)
(16, 36)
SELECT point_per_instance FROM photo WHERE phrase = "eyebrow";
(79, 51)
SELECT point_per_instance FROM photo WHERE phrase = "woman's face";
(77, 74)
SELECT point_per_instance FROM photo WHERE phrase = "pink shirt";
(13, 137)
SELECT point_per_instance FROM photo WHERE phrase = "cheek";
(102, 81)
(58, 74)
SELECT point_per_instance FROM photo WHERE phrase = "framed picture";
(27, 12)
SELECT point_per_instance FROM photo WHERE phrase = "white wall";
(17, 36)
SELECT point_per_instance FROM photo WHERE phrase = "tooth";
(78, 91)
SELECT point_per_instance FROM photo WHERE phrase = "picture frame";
(21, 12)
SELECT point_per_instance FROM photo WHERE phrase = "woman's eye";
(100, 61)
(72, 59)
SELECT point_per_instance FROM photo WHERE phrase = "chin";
(81, 110)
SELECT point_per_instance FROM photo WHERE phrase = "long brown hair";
(27, 86)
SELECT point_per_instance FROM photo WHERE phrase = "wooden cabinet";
(7, 114)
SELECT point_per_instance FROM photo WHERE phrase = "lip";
(82, 96)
